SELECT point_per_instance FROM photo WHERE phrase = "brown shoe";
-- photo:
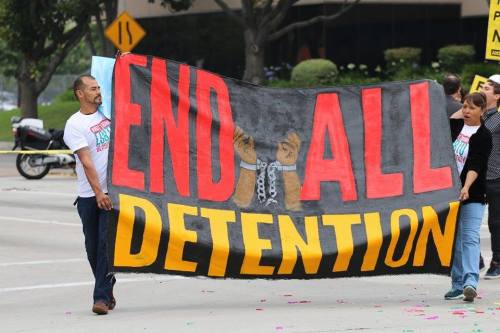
(100, 307)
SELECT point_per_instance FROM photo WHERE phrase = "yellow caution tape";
(37, 152)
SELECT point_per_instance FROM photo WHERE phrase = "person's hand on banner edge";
(464, 194)
(121, 54)
(103, 201)
(244, 146)
(288, 149)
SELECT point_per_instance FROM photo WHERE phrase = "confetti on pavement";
(432, 317)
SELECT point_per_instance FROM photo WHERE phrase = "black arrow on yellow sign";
(125, 32)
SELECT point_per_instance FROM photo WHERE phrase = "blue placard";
(102, 70)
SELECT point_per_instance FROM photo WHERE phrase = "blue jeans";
(465, 269)
(95, 222)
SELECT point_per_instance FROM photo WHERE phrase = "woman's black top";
(477, 158)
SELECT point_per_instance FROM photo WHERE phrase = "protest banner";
(493, 35)
(218, 177)
(477, 83)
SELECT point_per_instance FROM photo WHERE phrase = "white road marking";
(41, 262)
(21, 191)
(89, 283)
(19, 219)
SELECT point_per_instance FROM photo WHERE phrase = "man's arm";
(103, 200)
(457, 115)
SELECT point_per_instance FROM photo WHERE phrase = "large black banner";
(214, 176)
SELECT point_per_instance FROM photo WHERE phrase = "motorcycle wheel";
(25, 166)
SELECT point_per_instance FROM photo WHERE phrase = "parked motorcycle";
(30, 135)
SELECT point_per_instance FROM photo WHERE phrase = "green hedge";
(314, 72)
(65, 96)
(483, 69)
(408, 55)
(453, 57)
(54, 116)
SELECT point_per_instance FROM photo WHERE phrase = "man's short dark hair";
(78, 84)
(451, 84)
(496, 89)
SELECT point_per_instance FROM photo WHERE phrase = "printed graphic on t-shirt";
(102, 133)
(461, 147)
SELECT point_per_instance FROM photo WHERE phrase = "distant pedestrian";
(453, 90)
(491, 89)
(472, 147)
(87, 133)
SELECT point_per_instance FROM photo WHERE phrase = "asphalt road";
(46, 285)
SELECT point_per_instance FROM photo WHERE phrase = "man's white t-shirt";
(92, 131)
(461, 145)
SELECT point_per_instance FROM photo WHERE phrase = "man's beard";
(96, 102)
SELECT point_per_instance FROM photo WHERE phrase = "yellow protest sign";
(477, 83)
(493, 37)
(125, 32)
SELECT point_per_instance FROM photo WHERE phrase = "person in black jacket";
(472, 146)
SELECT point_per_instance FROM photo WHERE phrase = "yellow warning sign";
(477, 83)
(125, 32)
(493, 37)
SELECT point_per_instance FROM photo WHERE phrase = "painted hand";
(288, 149)
(244, 146)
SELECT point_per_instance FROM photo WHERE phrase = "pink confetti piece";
(303, 302)
(411, 310)
(377, 306)
(67, 312)
(259, 309)
(279, 327)
(432, 317)
(461, 313)
(293, 302)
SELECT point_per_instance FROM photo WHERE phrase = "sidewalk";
(6, 145)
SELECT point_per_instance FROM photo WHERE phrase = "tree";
(42, 33)
(78, 60)
(110, 10)
(261, 22)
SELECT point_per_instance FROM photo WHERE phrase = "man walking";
(87, 133)
(491, 89)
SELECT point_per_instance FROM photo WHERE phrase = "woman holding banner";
(472, 145)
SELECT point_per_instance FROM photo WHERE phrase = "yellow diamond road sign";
(125, 32)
